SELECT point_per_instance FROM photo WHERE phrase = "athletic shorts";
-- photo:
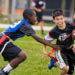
(11, 51)
(8, 50)
(66, 57)
(39, 16)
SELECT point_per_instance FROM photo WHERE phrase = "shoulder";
(54, 29)
(53, 32)
(69, 24)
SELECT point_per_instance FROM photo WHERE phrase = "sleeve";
(53, 33)
(73, 25)
(44, 4)
(34, 3)
(48, 38)
(27, 30)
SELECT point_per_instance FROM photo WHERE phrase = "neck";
(62, 27)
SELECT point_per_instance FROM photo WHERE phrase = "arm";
(44, 6)
(44, 52)
(39, 39)
(49, 39)
(34, 8)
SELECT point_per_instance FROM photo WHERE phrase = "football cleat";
(3, 73)
(51, 64)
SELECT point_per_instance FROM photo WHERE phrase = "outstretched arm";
(39, 39)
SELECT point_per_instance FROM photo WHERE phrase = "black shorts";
(39, 16)
(66, 57)
(10, 52)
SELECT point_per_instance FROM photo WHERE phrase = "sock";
(8, 68)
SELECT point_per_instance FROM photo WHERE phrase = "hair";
(57, 12)
(28, 12)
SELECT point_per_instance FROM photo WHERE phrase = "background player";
(39, 6)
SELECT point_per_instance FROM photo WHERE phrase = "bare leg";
(16, 61)
(41, 26)
(56, 63)
(64, 70)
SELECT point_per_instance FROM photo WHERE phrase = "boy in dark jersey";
(12, 53)
(39, 6)
(62, 33)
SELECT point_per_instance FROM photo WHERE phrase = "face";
(33, 19)
(59, 20)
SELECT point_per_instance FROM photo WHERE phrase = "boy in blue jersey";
(12, 53)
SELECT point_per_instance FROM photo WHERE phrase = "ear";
(29, 16)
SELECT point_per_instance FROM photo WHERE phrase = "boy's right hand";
(57, 47)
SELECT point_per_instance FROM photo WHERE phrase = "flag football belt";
(53, 50)
(4, 40)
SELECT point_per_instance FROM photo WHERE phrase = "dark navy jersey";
(38, 3)
(19, 29)
(63, 37)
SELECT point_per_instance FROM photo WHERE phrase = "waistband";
(3, 37)
(4, 40)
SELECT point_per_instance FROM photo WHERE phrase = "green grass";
(34, 65)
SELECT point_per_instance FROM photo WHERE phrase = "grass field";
(33, 65)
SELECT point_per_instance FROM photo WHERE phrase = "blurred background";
(11, 10)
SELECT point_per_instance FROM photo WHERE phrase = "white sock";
(8, 68)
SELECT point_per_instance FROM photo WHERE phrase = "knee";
(71, 70)
(22, 56)
(66, 69)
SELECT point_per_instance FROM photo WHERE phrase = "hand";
(57, 47)
(43, 7)
(39, 10)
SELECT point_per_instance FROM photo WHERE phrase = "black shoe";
(3, 73)
(43, 33)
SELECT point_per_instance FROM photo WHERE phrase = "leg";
(71, 69)
(13, 63)
(63, 62)
(56, 63)
(14, 55)
(16, 61)
(41, 26)
(64, 70)
(40, 21)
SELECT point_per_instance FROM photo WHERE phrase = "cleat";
(43, 33)
(3, 73)
(51, 64)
